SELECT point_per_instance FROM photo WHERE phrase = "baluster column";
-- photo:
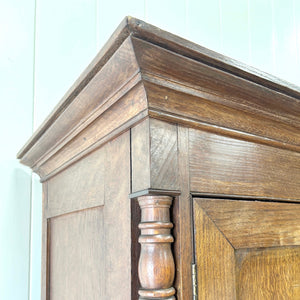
(156, 263)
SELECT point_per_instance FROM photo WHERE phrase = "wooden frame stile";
(183, 226)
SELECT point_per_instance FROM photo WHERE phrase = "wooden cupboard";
(169, 171)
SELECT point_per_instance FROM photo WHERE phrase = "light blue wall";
(45, 45)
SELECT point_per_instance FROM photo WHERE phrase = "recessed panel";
(268, 274)
(76, 256)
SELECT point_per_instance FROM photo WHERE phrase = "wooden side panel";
(87, 236)
(140, 156)
(254, 224)
(78, 187)
(117, 241)
(223, 165)
(76, 256)
(214, 258)
(164, 159)
(264, 274)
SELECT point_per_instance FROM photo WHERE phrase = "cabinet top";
(170, 78)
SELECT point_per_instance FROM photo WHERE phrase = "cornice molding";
(136, 75)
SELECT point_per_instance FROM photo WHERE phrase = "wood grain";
(214, 258)
(80, 186)
(163, 155)
(254, 224)
(156, 263)
(193, 108)
(268, 274)
(154, 156)
(140, 156)
(76, 256)
(183, 246)
(117, 220)
(223, 165)
(119, 69)
(126, 108)
(196, 52)
(223, 87)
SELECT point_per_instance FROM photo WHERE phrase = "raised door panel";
(247, 249)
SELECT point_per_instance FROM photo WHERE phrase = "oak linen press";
(169, 172)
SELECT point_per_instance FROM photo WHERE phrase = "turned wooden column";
(156, 263)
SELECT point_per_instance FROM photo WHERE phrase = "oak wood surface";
(241, 249)
(76, 256)
(223, 165)
(140, 157)
(191, 107)
(117, 220)
(78, 187)
(214, 258)
(81, 241)
(130, 105)
(115, 69)
(163, 155)
(154, 156)
(118, 70)
(216, 85)
(182, 218)
(279, 223)
(156, 263)
(254, 269)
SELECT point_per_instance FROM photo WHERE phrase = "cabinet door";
(247, 249)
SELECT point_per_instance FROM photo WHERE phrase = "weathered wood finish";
(159, 118)
(156, 262)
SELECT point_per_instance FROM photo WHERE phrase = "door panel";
(247, 249)
(271, 273)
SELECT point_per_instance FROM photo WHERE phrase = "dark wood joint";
(156, 263)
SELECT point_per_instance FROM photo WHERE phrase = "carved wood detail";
(156, 263)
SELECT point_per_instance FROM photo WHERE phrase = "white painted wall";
(45, 45)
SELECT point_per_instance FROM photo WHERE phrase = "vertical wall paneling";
(65, 45)
(234, 29)
(203, 23)
(16, 77)
(169, 15)
(285, 41)
(261, 33)
(110, 14)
